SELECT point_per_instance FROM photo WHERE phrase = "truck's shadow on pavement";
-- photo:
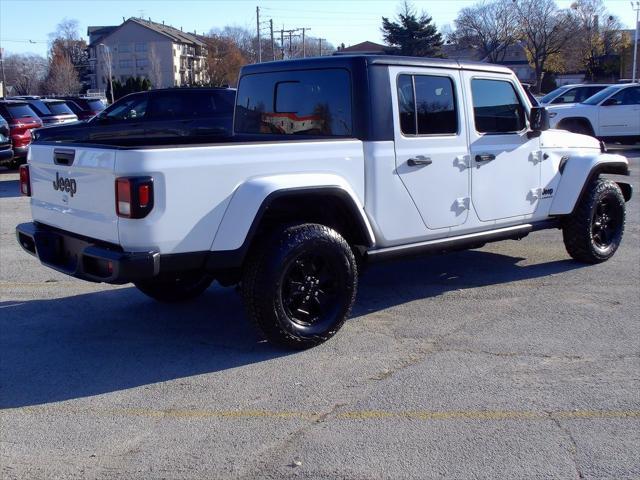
(83, 345)
(9, 189)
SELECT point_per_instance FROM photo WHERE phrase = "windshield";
(551, 95)
(601, 95)
(59, 109)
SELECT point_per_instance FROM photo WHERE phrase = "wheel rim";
(309, 290)
(606, 222)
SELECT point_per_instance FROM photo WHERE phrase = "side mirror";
(609, 101)
(539, 119)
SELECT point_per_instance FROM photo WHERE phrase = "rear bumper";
(6, 155)
(85, 258)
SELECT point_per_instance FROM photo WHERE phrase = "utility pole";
(304, 45)
(273, 43)
(258, 31)
(4, 78)
(636, 6)
(320, 45)
(290, 45)
(282, 43)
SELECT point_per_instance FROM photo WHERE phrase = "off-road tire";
(582, 231)
(278, 264)
(179, 288)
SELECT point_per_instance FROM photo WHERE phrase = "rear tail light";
(134, 196)
(25, 181)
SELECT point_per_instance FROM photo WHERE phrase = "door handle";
(485, 157)
(419, 160)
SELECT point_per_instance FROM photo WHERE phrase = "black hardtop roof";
(343, 61)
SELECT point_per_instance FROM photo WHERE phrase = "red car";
(21, 119)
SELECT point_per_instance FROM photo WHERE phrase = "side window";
(497, 107)
(567, 97)
(170, 105)
(431, 111)
(628, 96)
(435, 105)
(132, 109)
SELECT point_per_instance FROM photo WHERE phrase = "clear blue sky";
(348, 21)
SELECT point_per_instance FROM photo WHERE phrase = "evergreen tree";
(411, 34)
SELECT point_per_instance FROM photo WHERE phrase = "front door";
(505, 173)
(619, 115)
(431, 143)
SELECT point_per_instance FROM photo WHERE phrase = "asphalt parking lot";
(511, 361)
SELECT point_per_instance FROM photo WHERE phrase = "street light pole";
(107, 58)
(636, 6)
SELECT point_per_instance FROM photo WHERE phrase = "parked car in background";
(612, 114)
(571, 94)
(165, 116)
(50, 111)
(84, 107)
(22, 120)
(6, 151)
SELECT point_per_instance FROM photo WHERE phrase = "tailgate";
(73, 188)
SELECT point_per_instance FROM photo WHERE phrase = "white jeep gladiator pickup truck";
(334, 162)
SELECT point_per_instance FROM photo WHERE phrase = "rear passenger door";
(431, 143)
(506, 163)
(620, 113)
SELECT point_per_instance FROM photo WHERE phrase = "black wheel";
(300, 284)
(594, 231)
(179, 288)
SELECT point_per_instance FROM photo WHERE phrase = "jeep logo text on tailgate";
(65, 184)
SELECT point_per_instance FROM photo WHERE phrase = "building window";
(125, 63)
(142, 62)
(124, 48)
(141, 47)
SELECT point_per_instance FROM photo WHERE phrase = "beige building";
(165, 55)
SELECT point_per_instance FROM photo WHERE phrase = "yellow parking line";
(363, 415)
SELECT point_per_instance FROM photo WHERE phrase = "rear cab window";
(298, 102)
(497, 107)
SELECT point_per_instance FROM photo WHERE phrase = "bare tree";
(66, 41)
(155, 67)
(598, 34)
(25, 73)
(62, 78)
(545, 30)
(489, 26)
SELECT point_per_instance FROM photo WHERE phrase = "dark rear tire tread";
(258, 277)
